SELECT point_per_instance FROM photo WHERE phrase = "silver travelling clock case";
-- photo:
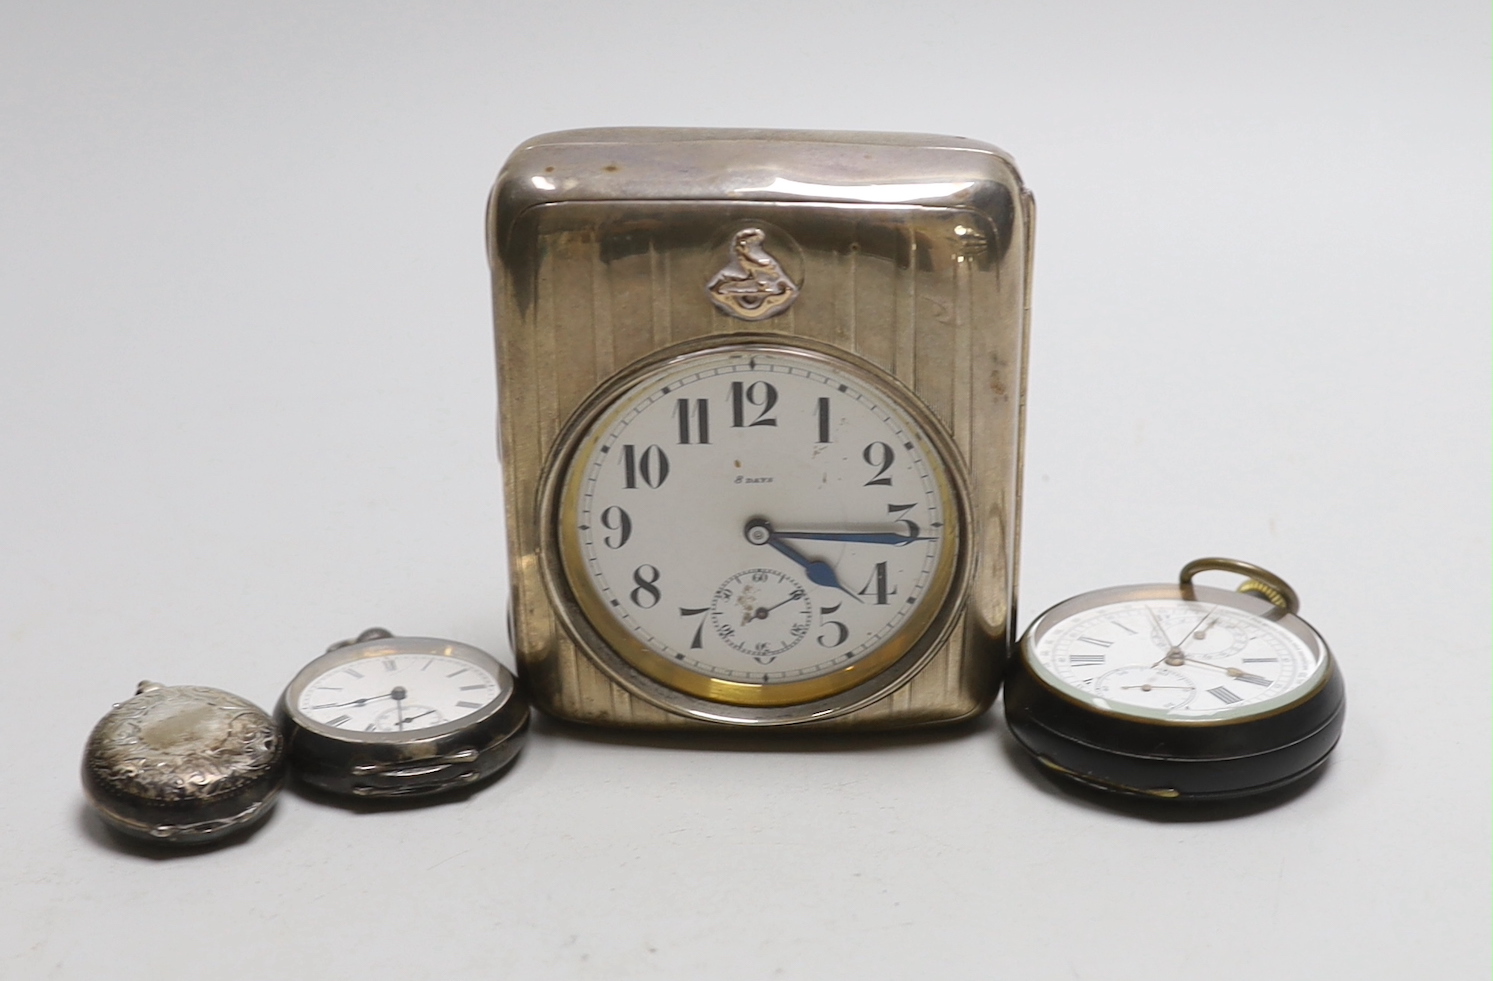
(876, 279)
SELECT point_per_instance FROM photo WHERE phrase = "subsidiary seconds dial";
(759, 524)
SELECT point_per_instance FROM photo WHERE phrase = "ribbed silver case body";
(914, 253)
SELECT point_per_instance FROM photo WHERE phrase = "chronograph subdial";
(1150, 687)
(1213, 637)
(761, 613)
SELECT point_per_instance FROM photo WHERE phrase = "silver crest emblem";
(753, 285)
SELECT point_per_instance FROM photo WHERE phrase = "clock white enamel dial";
(759, 524)
(1176, 659)
(398, 693)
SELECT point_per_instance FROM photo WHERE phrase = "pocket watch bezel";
(1246, 603)
(649, 675)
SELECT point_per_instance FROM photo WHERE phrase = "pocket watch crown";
(1254, 587)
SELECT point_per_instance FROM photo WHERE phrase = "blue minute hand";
(820, 572)
(863, 537)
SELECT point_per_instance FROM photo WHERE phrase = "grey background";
(246, 408)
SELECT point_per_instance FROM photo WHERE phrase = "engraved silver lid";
(183, 764)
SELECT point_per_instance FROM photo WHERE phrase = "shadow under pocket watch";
(1178, 691)
(386, 716)
(760, 398)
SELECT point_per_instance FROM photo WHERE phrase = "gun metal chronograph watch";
(1178, 691)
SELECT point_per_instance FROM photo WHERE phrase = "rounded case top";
(183, 764)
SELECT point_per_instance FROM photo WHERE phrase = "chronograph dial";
(1149, 658)
(759, 524)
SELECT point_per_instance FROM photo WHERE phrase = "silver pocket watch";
(383, 716)
(183, 765)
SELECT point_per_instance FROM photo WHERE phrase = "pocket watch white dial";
(386, 716)
(396, 692)
(759, 524)
(1176, 659)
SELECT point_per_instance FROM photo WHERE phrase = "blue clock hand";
(867, 538)
(820, 573)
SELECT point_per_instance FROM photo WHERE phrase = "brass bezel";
(585, 615)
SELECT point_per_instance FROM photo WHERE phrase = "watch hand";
(421, 715)
(1201, 632)
(1174, 655)
(797, 594)
(398, 695)
(1171, 649)
(356, 701)
(864, 538)
(820, 572)
(1153, 687)
(1197, 627)
(761, 612)
(1239, 673)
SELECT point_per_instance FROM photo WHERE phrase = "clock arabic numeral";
(761, 396)
(617, 520)
(700, 419)
(696, 643)
(651, 466)
(843, 632)
(646, 577)
(822, 412)
(882, 459)
(912, 526)
(877, 584)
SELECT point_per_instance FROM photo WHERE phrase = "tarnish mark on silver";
(753, 285)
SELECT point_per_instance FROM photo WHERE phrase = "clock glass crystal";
(759, 524)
